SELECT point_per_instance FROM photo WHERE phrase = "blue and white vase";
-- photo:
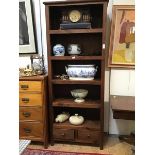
(59, 50)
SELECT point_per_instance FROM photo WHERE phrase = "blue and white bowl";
(59, 50)
(81, 72)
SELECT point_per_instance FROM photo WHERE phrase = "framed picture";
(26, 30)
(122, 38)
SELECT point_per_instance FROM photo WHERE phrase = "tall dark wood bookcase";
(93, 44)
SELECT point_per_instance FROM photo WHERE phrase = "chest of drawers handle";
(26, 114)
(24, 87)
(25, 100)
(27, 130)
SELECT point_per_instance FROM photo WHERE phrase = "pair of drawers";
(81, 135)
(30, 93)
(31, 109)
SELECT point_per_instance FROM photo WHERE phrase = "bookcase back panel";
(63, 91)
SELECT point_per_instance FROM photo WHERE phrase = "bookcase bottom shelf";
(88, 124)
(88, 132)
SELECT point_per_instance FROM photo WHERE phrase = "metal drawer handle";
(24, 87)
(27, 130)
(27, 114)
(25, 100)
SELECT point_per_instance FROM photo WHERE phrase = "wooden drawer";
(63, 134)
(30, 113)
(30, 130)
(29, 86)
(26, 99)
(88, 136)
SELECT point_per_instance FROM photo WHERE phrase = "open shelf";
(72, 31)
(90, 43)
(96, 12)
(88, 124)
(92, 82)
(62, 102)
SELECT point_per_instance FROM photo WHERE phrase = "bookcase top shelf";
(76, 2)
(72, 31)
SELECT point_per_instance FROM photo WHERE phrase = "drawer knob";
(88, 136)
(63, 134)
(27, 130)
(25, 100)
(26, 114)
(24, 87)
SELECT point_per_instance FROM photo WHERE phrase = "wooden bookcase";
(92, 42)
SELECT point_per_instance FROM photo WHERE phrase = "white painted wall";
(121, 81)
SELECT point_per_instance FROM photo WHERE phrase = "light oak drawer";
(30, 99)
(29, 86)
(88, 136)
(31, 130)
(30, 113)
(63, 134)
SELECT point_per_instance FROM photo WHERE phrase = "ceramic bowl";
(74, 49)
(79, 94)
(81, 72)
(59, 50)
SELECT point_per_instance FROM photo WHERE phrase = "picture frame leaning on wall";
(122, 38)
(26, 28)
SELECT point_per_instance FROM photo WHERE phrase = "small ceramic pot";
(81, 72)
(76, 120)
(74, 49)
(59, 50)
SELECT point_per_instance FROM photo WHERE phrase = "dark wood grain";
(92, 43)
(76, 57)
(93, 82)
(70, 103)
(88, 136)
(74, 2)
(72, 31)
(88, 124)
(63, 134)
(50, 110)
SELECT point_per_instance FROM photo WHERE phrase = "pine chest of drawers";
(33, 109)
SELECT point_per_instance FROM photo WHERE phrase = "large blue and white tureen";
(81, 72)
